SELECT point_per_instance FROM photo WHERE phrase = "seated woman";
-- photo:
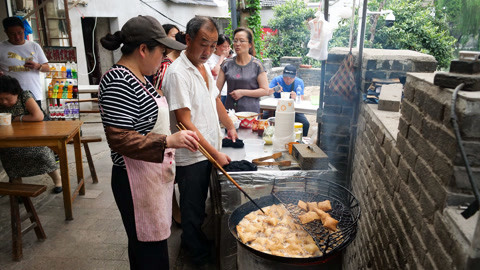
(25, 161)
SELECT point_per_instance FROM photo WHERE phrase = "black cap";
(290, 71)
(143, 28)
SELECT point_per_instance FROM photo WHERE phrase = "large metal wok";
(345, 208)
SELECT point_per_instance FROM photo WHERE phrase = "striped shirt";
(125, 104)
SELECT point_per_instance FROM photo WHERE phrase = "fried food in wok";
(275, 232)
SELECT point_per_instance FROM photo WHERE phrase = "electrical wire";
(454, 120)
(163, 14)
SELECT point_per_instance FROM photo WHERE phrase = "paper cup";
(5, 119)
(285, 95)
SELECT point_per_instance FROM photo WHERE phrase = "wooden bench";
(23, 191)
(85, 140)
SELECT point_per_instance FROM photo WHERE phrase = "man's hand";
(221, 158)
(293, 95)
(32, 65)
(232, 134)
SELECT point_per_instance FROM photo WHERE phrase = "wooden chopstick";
(180, 126)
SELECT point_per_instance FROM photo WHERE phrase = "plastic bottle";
(74, 70)
(65, 90)
(66, 111)
(55, 89)
(51, 112)
(60, 111)
(75, 91)
(75, 110)
(50, 90)
(63, 71)
(69, 70)
(55, 112)
(299, 93)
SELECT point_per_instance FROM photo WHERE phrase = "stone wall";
(337, 116)
(408, 183)
(310, 76)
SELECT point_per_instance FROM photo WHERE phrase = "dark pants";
(193, 181)
(223, 99)
(299, 117)
(142, 255)
(39, 102)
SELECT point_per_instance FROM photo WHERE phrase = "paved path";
(95, 239)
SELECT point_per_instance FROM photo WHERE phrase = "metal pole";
(322, 82)
(361, 41)
(233, 13)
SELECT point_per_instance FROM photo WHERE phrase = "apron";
(152, 183)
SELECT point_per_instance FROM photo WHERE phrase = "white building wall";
(119, 11)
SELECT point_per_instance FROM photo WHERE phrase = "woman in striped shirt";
(136, 123)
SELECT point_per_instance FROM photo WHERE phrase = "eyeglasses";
(240, 41)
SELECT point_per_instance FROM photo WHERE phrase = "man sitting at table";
(289, 82)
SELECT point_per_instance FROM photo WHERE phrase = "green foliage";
(254, 22)
(290, 19)
(415, 28)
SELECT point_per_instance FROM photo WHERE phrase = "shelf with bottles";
(61, 112)
(62, 81)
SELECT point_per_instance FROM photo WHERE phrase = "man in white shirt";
(22, 59)
(194, 101)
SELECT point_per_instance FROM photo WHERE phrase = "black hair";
(194, 25)
(249, 36)
(12, 21)
(113, 42)
(10, 85)
(180, 37)
(167, 27)
(222, 38)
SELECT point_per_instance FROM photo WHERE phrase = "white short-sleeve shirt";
(12, 59)
(184, 87)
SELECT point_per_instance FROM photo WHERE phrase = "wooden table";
(54, 134)
(304, 106)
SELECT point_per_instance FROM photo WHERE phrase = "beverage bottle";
(75, 91)
(66, 110)
(70, 89)
(50, 90)
(55, 89)
(69, 70)
(77, 110)
(60, 112)
(63, 71)
(65, 90)
(55, 112)
(298, 92)
(50, 111)
(60, 90)
(74, 70)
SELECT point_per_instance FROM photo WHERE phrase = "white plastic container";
(254, 147)
(5, 119)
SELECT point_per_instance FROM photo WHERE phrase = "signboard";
(57, 54)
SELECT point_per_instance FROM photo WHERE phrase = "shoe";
(57, 190)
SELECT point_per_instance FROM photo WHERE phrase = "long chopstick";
(180, 126)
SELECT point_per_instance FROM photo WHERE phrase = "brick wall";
(336, 119)
(406, 182)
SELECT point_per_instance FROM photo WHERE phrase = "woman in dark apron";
(137, 126)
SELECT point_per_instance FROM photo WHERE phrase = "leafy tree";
(254, 22)
(463, 18)
(290, 19)
(415, 28)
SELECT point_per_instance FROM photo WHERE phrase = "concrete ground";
(95, 239)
